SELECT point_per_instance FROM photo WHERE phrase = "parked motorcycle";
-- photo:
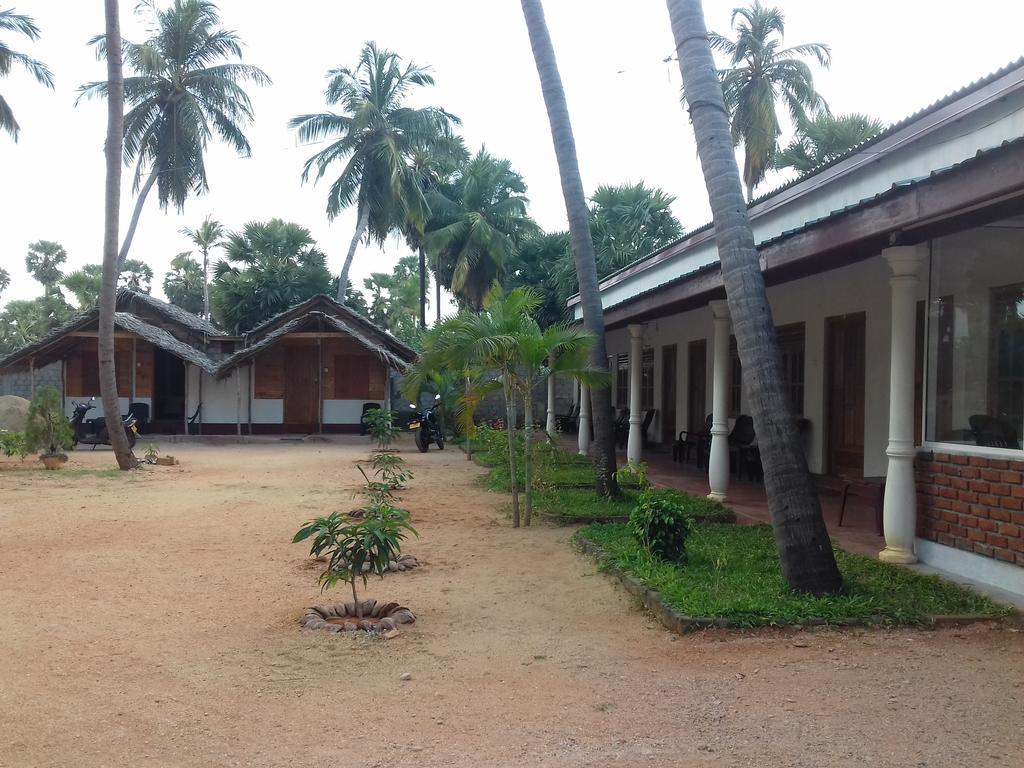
(94, 431)
(427, 428)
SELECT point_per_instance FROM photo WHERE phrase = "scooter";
(94, 431)
(427, 428)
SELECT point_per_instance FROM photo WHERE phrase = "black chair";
(693, 439)
(141, 413)
(367, 407)
(193, 421)
(622, 428)
(741, 444)
(992, 432)
(648, 418)
(568, 422)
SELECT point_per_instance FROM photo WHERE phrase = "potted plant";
(47, 429)
(355, 548)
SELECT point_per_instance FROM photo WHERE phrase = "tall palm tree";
(5, 279)
(44, 261)
(805, 551)
(477, 222)
(579, 231)
(114, 88)
(205, 236)
(22, 25)
(186, 88)
(185, 285)
(375, 133)
(760, 75)
(395, 298)
(823, 138)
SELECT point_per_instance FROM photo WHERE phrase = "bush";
(13, 444)
(47, 428)
(380, 423)
(661, 526)
(634, 475)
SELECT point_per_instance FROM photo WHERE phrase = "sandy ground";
(151, 619)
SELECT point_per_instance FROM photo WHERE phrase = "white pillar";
(718, 462)
(549, 426)
(634, 446)
(899, 516)
(583, 434)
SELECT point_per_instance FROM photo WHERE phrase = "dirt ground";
(151, 619)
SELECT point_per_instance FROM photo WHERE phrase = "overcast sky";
(889, 59)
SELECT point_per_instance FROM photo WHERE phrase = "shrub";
(661, 526)
(633, 474)
(696, 507)
(47, 429)
(13, 444)
(380, 423)
(391, 470)
(152, 452)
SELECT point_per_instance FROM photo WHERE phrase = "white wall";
(346, 411)
(220, 397)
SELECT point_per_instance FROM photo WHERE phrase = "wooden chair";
(648, 418)
(992, 432)
(696, 439)
(568, 422)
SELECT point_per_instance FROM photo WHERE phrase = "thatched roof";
(297, 323)
(158, 337)
(176, 314)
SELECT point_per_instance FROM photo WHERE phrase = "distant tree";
(26, 26)
(44, 261)
(184, 284)
(269, 267)
(185, 88)
(205, 236)
(761, 73)
(85, 284)
(5, 279)
(376, 133)
(823, 138)
(477, 222)
(395, 298)
(136, 275)
(544, 264)
(25, 321)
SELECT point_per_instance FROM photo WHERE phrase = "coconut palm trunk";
(108, 294)
(510, 430)
(364, 222)
(527, 458)
(805, 551)
(423, 288)
(582, 242)
(134, 223)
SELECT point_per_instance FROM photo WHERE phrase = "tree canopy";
(823, 138)
(9, 58)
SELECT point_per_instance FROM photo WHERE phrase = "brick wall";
(20, 383)
(973, 503)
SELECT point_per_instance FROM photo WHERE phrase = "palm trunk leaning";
(582, 243)
(510, 430)
(805, 551)
(134, 223)
(108, 292)
(364, 222)
(206, 282)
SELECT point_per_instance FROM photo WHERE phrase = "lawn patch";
(732, 578)
(574, 506)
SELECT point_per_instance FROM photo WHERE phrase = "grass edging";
(683, 624)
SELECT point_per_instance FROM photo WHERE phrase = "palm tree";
(185, 89)
(269, 267)
(824, 138)
(185, 284)
(760, 74)
(44, 261)
(86, 284)
(579, 231)
(395, 298)
(805, 551)
(477, 222)
(205, 237)
(543, 262)
(5, 279)
(375, 133)
(22, 25)
(114, 88)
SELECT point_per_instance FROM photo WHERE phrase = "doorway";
(168, 411)
(668, 394)
(845, 355)
(301, 389)
(697, 385)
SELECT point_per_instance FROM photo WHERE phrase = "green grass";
(584, 505)
(732, 572)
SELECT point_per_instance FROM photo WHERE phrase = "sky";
(889, 60)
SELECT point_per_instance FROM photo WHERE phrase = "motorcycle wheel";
(422, 439)
(131, 438)
(440, 442)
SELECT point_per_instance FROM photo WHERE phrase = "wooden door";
(301, 393)
(844, 376)
(668, 393)
(697, 401)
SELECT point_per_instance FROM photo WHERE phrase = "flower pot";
(53, 460)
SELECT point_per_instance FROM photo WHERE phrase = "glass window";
(791, 349)
(975, 376)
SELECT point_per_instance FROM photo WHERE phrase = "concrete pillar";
(718, 462)
(634, 446)
(899, 516)
(583, 435)
(549, 425)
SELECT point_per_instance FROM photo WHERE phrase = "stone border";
(376, 617)
(683, 624)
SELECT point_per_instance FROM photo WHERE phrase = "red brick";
(1017, 466)
(974, 461)
(959, 483)
(999, 463)
(1017, 492)
(979, 511)
(958, 458)
(960, 506)
(980, 486)
(1001, 515)
(942, 480)
(958, 530)
(999, 489)
(939, 526)
(1008, 502)
(947, 493)
(983, 524)
(969, 496)
(1017, 518)
(1020, 558)
(976, 535)
(988, 500)
(945, 538)
(1004, 555)
(982, 549)
(996, 540)
(971, 473)
(949, 517)
(941, 457)
(1013, 478)
(992, 475)
(1009, 530)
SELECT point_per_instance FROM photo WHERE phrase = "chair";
(622, 428)
(141, 413)
(648, 418)
(741, 444)
(992, 432)
(367, 407)
(696, 439)
(193, 421)
(568, 422)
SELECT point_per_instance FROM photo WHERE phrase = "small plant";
(350, 544)
(391, 469)
(634, 474)
(661, 526)
(380, 423)
(152, 453)
(13, 444)
(378, 491)
(47, 429)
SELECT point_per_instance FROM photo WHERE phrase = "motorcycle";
(94, 431)
(428, 428)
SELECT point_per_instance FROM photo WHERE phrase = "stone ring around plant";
(376, 617)
(400, 564)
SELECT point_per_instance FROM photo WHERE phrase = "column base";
(719, 497)
(897, 555)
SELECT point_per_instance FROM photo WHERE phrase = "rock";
(393, 566)
(405, 677)
(333, 628)
(13, 412)
(387, 624)
(391, 634)
(368, 606)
